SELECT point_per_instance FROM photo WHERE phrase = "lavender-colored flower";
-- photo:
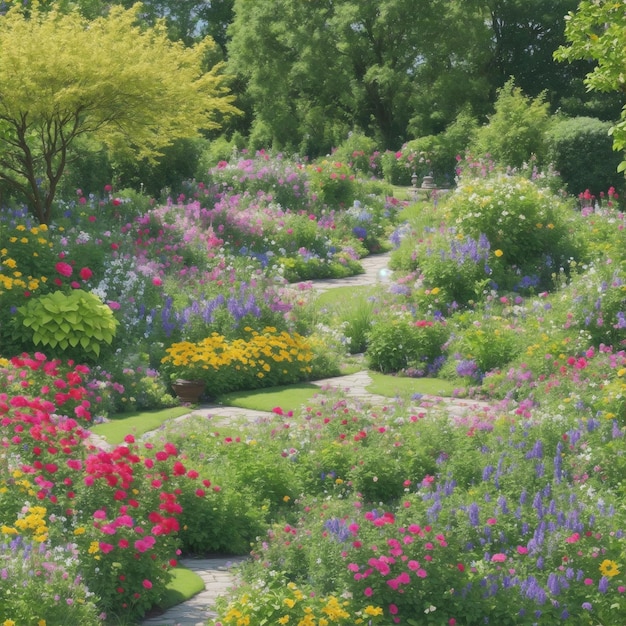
(467, 367)
(502, 505)
(533, 590)
(487, 472)
(536, 452)
(553, 584)
(587, 606)
(337, 528)
(473, 514)
(603, 585)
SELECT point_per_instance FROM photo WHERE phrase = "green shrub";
(360, 153)
(581, 150)
(399, 167)
(332, 182)
(77, 324)
(532, 232)
(457, 265)
(488, 345)
(397, 343)
(516, 129)
(442, 149)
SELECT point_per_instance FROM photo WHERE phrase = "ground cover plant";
(503, 503)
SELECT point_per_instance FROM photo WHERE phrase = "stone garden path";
(215, 571)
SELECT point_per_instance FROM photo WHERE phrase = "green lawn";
(288, 397)
(392, 386)
(135, 423)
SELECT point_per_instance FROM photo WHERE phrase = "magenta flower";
(85, 273)
(65, 269)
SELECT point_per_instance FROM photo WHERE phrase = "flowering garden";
(508, 512)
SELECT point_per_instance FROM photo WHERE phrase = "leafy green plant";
(489, 345)
(282, 600)
(531, 231)
(41, 583)
(457, 265)
(399, 342)
(516, 130)
(581, 150)
(77, 322)
(333, 184)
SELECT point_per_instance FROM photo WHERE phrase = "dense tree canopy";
(392, 68)
(62, 76)
(318, 69)
(307, 73)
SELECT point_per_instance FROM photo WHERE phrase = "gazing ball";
(384, 275)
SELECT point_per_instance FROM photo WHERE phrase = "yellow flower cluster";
(33, 523)
(298, 609)
(33, 241)
(261, 352)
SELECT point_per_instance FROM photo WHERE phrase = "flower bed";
(382, 514)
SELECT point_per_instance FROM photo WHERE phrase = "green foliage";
(489, 344)
(360, 152)
(333, 183)
(42, 584)
(396, 343)
(600, 296)
(597, 31)
(287, 51)
(443, 149)
(399, 167)
(75, 323)
(531, 231)
(281, 599)
(219, 149)
(581, 151)
(457, 265)
(516, 129)
(177, 163)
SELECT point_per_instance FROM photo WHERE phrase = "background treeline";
(375, 75)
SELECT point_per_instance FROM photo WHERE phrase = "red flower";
(65, 269)
(85, 273)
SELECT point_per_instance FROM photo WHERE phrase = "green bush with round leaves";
(75, 323)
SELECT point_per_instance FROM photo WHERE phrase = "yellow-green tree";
(126, 86)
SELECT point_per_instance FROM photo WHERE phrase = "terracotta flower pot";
(188, 390)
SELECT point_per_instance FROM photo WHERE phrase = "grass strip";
(287, 397)
(136, 423)
(392, 386)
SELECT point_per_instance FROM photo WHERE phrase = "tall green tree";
(188, 20)
(597, 31)
(525, 35)
(285, 53)
(128, 87)
(319, 68)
